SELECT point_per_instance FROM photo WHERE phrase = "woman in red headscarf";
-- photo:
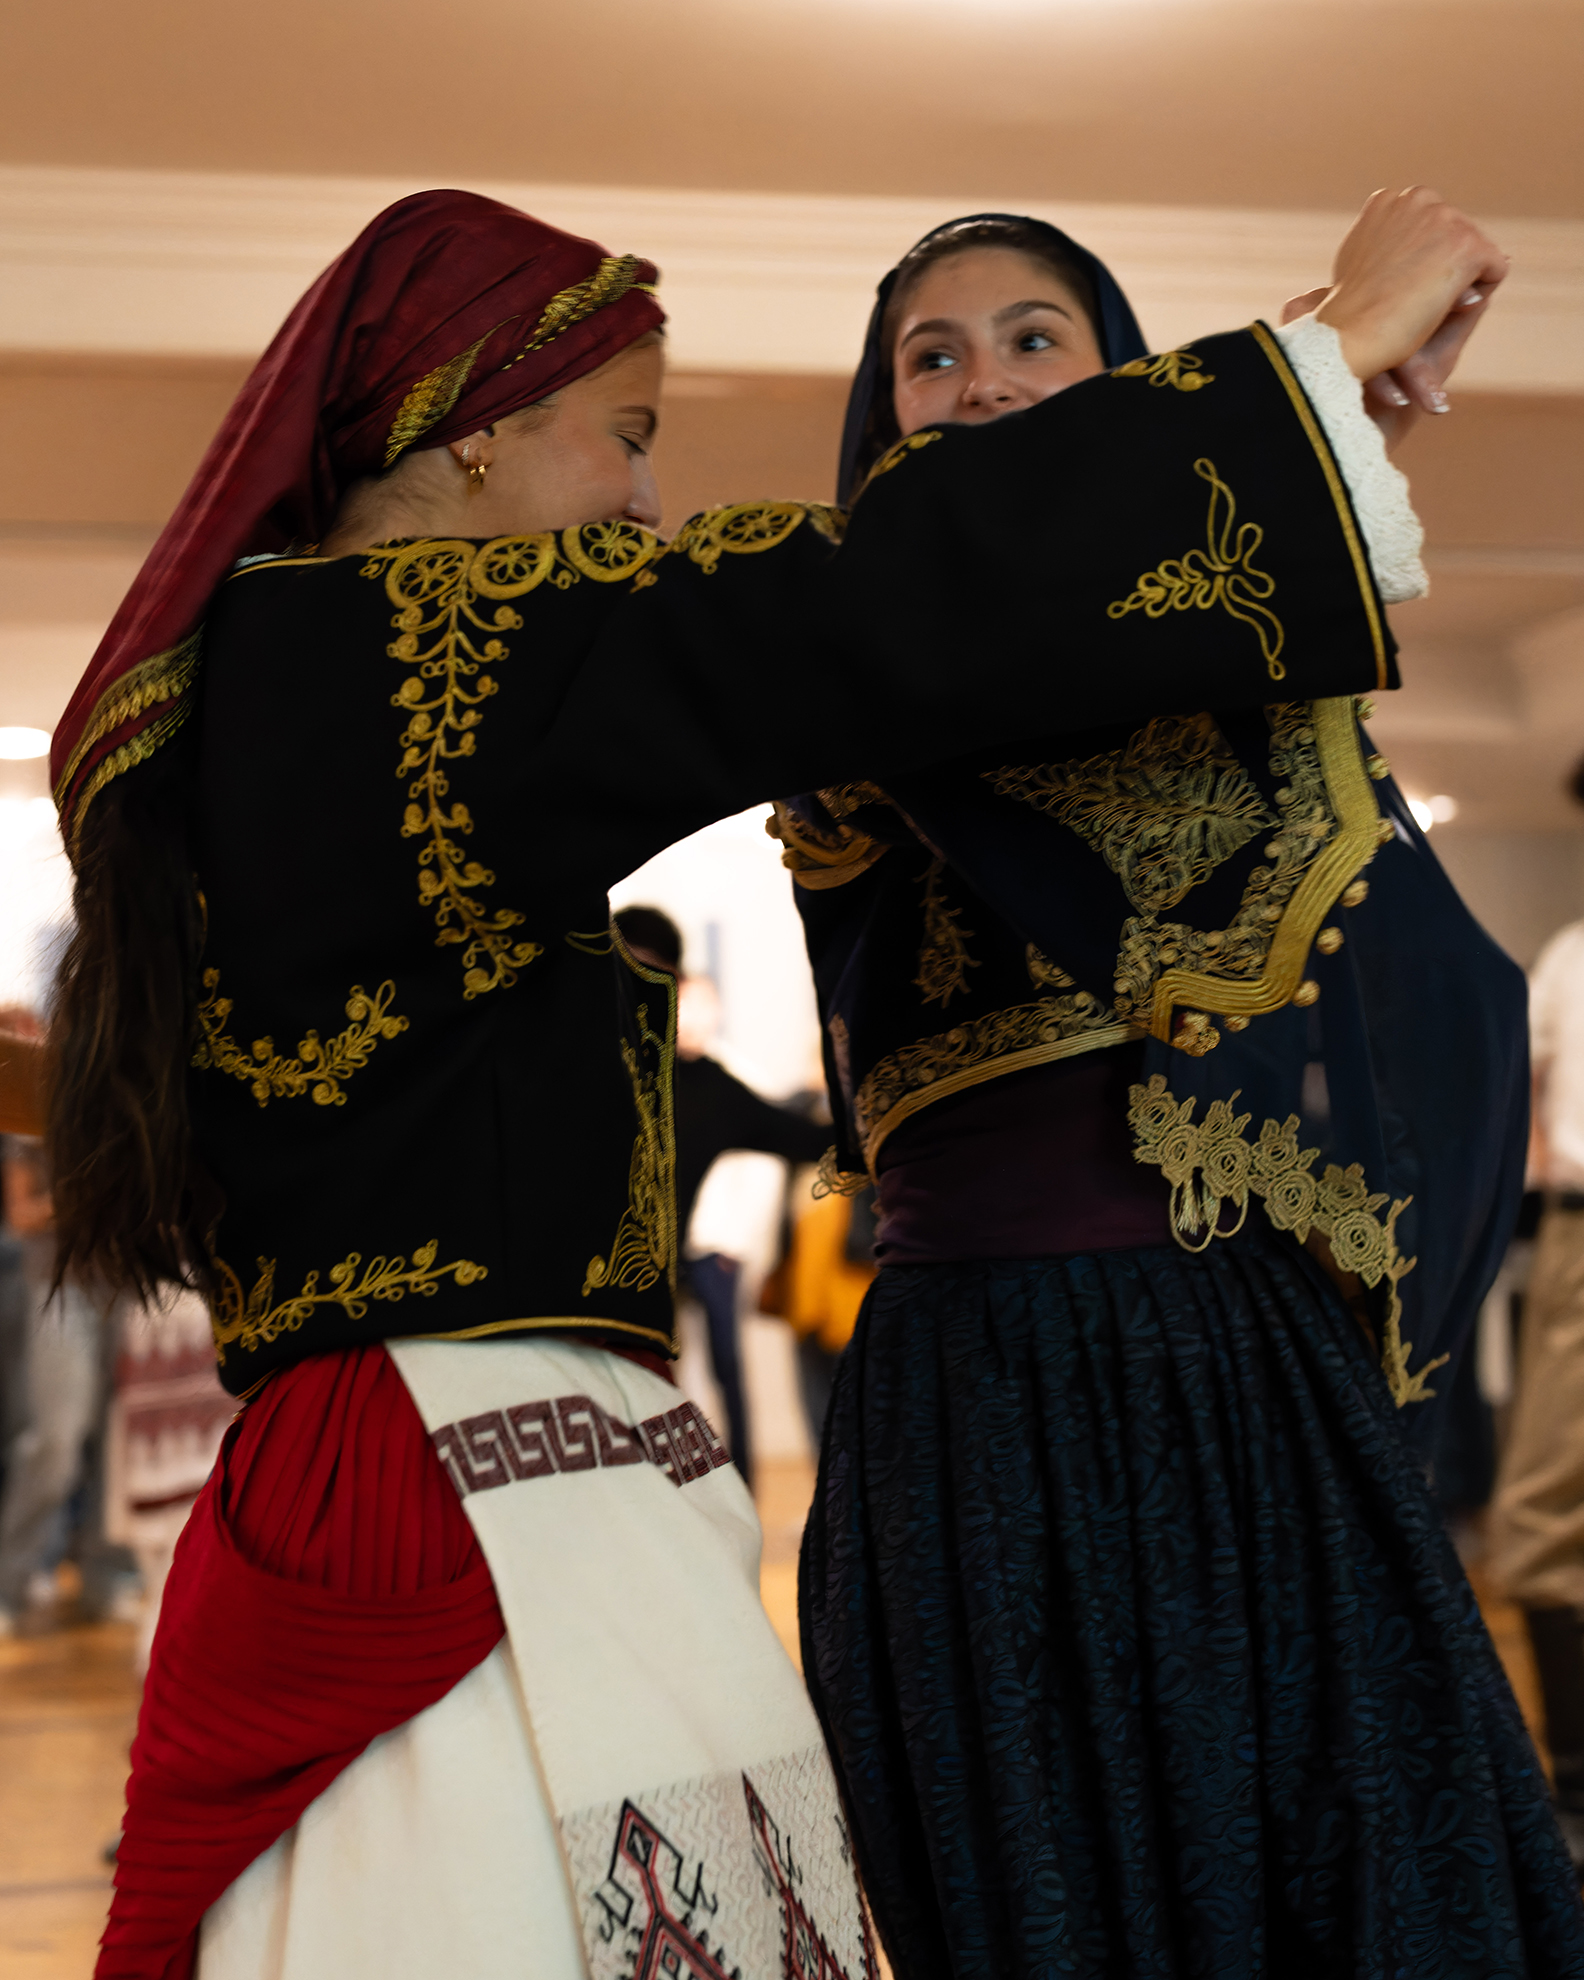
(461, 1664)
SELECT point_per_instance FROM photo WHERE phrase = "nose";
(990, 391)
(644, 507)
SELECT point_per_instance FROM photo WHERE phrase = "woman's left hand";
(1394, 399)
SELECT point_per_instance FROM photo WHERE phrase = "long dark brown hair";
(131, 1208)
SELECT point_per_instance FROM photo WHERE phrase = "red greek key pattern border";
(573, 1433)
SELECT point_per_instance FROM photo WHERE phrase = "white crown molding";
(198, 264)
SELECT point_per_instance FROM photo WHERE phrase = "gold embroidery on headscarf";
(944, 961)
(431, 399)
(1163, 812)
(439, 587)
(609, 283)
(1180, 369)
(163, 676)
(1223, 574)
(255, 1319)
(319, 1067)
(1212, 1162)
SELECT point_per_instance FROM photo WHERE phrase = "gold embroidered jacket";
(1327, 1033)
(433, 1092)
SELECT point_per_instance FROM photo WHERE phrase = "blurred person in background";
(406, 685)
(60, 1351)
(1128, 1614)
(829, 1266)
(715, 1113)
(1536, 1526)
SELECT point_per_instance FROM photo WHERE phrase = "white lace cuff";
(1392, 532)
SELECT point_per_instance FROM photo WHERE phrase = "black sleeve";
(715, 1112)
(1149, 542)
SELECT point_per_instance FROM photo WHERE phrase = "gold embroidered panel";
(319, 1067)
(255, 1318)
(644, 1249)
(1213, 1163)
(1006, 1041)
(744, 529)
(453, 601)
(1163, 812)
(1223, 574)
(944, 961)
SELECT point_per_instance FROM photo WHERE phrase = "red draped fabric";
(327, 1588)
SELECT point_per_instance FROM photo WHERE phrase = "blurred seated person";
(715, 1112)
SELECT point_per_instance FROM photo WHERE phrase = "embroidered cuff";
(1392, 532)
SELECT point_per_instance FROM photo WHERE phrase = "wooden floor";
(68, 1701)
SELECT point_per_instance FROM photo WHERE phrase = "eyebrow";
(937, 324)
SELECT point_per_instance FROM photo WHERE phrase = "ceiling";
(1249, 103)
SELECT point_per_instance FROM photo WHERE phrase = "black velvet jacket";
(434, 1092)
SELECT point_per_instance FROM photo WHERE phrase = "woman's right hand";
(1404, 286)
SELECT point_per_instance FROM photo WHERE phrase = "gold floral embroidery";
(1163, 811)
(1180, 369)
(256, 1318)
(944, 961)
(842, 800)
(743, 529)
(451, 598)
(1223, 574)
(1005, 1041)
(1328, 830)
(163, 676)
(318, 1067)
(894, 456)
(644, 1248)
(1212, 1162)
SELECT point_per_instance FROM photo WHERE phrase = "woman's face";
(584, 459)
(986, 332)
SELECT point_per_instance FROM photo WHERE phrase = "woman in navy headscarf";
(1125, 1607)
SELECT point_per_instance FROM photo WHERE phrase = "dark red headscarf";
(446, 313)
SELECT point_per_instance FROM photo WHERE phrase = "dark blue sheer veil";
(1121, 340)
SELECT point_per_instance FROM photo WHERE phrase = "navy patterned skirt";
(1141, 1649)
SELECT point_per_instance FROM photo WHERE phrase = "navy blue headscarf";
(1121, 340)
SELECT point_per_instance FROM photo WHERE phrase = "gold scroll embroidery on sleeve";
(944, 961)
(1223, 575)
(645, 1246)
(895, 455)
(817, 859)
(1163, 812)
(256, 1318)
(453, 601)
(1212, 1163)
(320, 1066)
(1180, 369)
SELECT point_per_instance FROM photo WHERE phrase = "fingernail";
(1469, 298)
(1396, 394)
(1439, 402)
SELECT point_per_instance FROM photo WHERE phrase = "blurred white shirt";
(1556, 1043)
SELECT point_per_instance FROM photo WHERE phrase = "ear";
(474, 450)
